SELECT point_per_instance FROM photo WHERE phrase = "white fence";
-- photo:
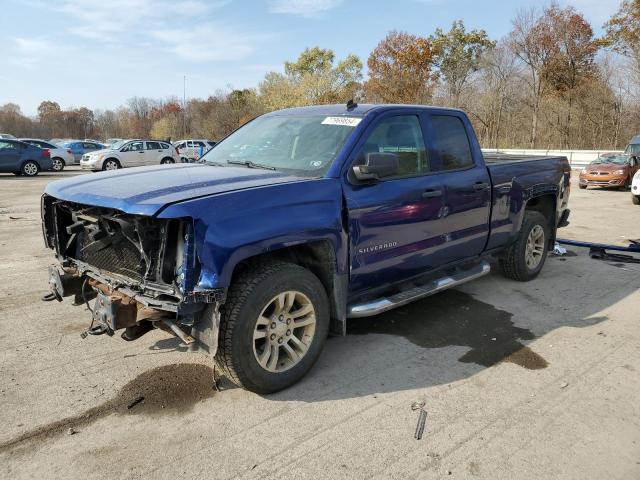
(577, 158)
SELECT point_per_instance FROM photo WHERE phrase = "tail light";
(177, 150)
(46, 153)
(69, 151)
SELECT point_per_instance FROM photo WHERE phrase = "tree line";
(549, 83)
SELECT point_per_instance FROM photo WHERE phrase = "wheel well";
(318, 257)
(111, 158)
(167, 158)
(546, 205)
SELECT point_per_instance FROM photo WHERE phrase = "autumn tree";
(623, 31)
(458, 56)
(401, 69)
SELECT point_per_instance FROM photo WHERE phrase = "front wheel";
(582, 187)
(110, 164)
(635, 199)
(29, 169)
(524, 258)
(273, 326)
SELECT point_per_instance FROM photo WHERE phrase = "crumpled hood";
(145, 190)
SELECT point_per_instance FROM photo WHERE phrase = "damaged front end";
(140, 272)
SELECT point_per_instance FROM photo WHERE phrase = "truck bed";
(502, 158)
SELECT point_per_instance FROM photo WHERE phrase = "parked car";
(633, 148)
(80, 148)
(130, 153)
(60, 156)
(192, 149)
(21, 158)
(635, 189)
(110, 141)
(6, 135)
(337, 212)
(610, 170)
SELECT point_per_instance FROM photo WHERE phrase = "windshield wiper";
(250, 164)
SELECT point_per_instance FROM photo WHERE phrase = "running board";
(380, 305)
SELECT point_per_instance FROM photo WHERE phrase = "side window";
(400, 135)
(451, 142)
(134, 147)
(153, 146)
(89, 146)
(165, 145)
(7, 145)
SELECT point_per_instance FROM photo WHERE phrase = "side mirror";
(377, 165)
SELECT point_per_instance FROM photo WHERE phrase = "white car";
(192, 149)
(60, 156)
(130, 153)
(7, 135)
(635, 189)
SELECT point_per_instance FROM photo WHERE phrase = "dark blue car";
(80, 147)
(21, 158)
(295, 223)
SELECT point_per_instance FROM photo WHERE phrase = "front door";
(9, 156)
(395, 224)
(133, 154)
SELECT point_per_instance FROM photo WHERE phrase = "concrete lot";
(521, 380)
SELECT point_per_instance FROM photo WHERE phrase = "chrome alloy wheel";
(111, 165)
(57, 165)
(535, 247)
(30, 169)
(284, 331)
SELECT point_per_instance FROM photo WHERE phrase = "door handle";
(431, 193)
(480, 186)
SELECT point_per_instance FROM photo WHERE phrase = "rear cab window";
(451, 143)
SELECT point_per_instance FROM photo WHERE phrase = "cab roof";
(359, 109)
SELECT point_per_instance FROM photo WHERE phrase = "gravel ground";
(520, 380)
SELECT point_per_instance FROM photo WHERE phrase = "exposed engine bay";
(140, 270)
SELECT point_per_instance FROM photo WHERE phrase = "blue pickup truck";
(297, 221)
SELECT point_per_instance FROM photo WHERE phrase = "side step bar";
(379, 305)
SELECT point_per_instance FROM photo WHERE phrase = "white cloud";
(303, 8)
(207, 42)
(27, 52)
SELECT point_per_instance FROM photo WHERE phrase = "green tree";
(458, 56)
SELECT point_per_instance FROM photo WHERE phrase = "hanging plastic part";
(598, 251)
(188, 273)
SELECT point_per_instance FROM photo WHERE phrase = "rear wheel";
(110, 164)
(29, 168)
(167, 160)
(635, 199)
(524, 258)
(627, 184)
(57, 164)
(273, 326)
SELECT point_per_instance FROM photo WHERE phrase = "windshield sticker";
(346, 121)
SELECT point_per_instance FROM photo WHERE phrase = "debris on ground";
(15, 218)
(559, 249)
(422, 419)
(135, 402)
(71, 431)
(564, 385)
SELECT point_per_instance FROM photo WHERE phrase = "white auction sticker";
(346, 121)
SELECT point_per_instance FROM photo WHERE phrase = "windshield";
(615, 159)
(304, 146)
(632, 149)
(117, 145)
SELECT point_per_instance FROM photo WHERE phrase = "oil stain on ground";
(456, 318)
(164, 390)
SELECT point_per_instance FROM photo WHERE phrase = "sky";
(99, 53)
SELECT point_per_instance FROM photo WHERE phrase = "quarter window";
(401, 135)
(451, 142)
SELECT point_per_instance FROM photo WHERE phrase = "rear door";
(9, 156)
(467, 185)
(153, 153)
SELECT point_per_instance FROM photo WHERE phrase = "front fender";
(234, 226)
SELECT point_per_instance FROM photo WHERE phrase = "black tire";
(29, 169)
(627, 184)
(582, 187)
(513, 261)
(111, 161)
(250, 293)
(167, 160)
(635, 199)
(58, 164)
